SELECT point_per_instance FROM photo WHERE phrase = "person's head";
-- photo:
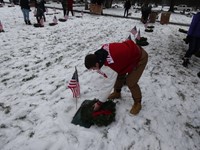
(91, 62)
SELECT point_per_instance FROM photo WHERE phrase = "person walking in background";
(25, 10)
(117, 62)
(193, 38)
(127, 6)
(146, 10)
(70, 7)
(64, 6)
(40, 6)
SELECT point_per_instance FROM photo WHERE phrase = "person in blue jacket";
(193, 38)
(25, 7)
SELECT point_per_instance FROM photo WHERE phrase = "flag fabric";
(66, 17)
(35, 12)
(1, 26)
(55, 20)
(138, 35)
(47, 10)
(134, 31)
(129, 37)
(42, 22)
(74, 85)
(145, 25)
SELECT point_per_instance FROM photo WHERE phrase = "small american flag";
(66, 17)
(35, 12)
(74, 85)
(138, 35)
(134, 31)
(145, 25)
(47, 10)
(55, 20)
(1, 26)
(42, 22)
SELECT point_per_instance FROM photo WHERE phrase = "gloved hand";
(97, 105)
(188, 39)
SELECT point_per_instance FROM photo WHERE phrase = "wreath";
(102, 117)
(142, 41)
(148, 30)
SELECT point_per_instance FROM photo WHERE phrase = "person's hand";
(187, 39)
(97, 105)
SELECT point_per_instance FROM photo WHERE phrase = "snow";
(36, 107)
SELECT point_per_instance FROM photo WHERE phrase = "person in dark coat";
(40, 6)
(146, 10)
(127, 6)
(2, 2)
(193, 38)
(64, 6)
(70, 7)
(25, 10)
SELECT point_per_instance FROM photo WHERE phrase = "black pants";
(64, 9)
(126, 12)
(194, 46)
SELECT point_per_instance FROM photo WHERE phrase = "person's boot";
(114, 95)
(136, 108)
(198, 74)
(28, 22)
(185, 62)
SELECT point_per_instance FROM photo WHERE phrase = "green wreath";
(102, 117)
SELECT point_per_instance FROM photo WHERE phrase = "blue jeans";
(25, 14)
(194, 46)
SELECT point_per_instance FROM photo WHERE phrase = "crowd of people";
(40, 9)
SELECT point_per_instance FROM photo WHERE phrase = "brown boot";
(114, 95)
(136, 108)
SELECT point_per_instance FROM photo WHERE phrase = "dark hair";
(90, 61)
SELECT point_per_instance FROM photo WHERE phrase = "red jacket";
(70, 4)
(122, 57)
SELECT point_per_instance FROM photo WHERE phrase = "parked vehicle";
(182, 8)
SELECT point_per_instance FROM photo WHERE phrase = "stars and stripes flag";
(42, 22)
(74, 84)
(54, 9)
(134, 31)
(146, 25)
(47, 10)
(1, 26)
(55, 20)
(35, 12)
(138, 35)
(66, 17)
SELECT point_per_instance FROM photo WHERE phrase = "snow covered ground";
(36, 108)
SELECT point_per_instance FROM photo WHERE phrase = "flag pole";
(76, 102)
(76, 96)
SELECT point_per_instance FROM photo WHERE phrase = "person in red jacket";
(70, 7)
(117, 63)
